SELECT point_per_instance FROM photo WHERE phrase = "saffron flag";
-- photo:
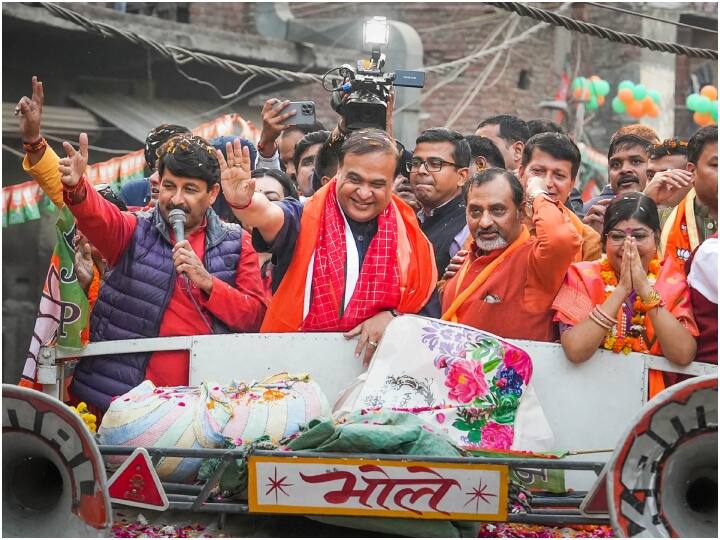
(63, 311)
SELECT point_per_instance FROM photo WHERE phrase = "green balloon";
(602, 87)
(714, 110)
(639, 92)
(577, 83)
(592, 104)
(618, 106)
(704, 105)
(626, 84)
(655, 95)
(691, 102)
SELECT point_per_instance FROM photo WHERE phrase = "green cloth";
(384, 432)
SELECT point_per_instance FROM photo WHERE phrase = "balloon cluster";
(590, 91)
(704, 106)
(636, 100)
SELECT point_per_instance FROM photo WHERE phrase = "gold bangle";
(604, 315)
(597, 321)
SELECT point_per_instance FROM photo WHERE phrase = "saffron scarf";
(413, 260)
(461, 297)
(679, 237)
(584, 288)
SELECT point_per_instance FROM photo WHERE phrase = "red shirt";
(241, 307)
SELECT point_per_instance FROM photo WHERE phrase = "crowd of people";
(315, 230)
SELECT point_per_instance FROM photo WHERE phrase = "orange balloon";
(594, 78)
(648, 104)
(654, 111)
(586, 94)
(636, 109)
(709, 92)
(626, 96)
(702, 119)
(601, 100)
(578, 92)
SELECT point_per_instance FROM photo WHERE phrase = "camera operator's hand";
(237, 184)
(273, 118)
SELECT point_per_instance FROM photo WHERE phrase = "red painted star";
(277, 485)
(479, 493)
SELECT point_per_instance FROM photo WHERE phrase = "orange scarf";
(415, 262)
(461, 297)
(679, 236)
(584, 288)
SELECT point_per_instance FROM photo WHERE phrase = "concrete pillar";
(657, 71)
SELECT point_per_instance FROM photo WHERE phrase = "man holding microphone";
(161, 284)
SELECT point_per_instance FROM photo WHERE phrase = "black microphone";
(177, 219)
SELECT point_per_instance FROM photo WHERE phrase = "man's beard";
(491, 245)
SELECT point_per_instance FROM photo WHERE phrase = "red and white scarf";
(378, 284)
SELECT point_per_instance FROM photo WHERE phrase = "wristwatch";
(532, 196)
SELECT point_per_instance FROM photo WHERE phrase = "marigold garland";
(634, 340)
(87, 417)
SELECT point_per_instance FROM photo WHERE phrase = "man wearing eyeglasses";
(438, 170)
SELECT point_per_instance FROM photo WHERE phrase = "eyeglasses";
(431, 164)
(618, 237)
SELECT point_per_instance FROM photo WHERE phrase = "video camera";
(360, 95)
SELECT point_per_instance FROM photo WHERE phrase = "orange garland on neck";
(616, 339)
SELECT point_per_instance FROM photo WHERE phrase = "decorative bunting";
(26, 201)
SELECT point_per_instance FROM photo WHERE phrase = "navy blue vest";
(133, 299)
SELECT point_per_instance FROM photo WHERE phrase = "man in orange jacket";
(353, 255)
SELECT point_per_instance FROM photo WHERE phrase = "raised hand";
(272, 124)
(72, 167)
(237, 185)
(595, 216)
(83, 261)
(668, 187)
(30, 111)
(535, 184)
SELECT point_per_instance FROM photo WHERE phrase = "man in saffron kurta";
(353, 255)
(508, 283)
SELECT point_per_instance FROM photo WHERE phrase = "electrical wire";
(469, 87)
(471, 58)
(459, 70)
(601, 32)
(91, 147)
(480, 81)
(645, 16)
(179, 55)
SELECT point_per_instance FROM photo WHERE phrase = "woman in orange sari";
(626, 302)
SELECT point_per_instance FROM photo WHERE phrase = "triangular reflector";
(136, 483)
(596, 501)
